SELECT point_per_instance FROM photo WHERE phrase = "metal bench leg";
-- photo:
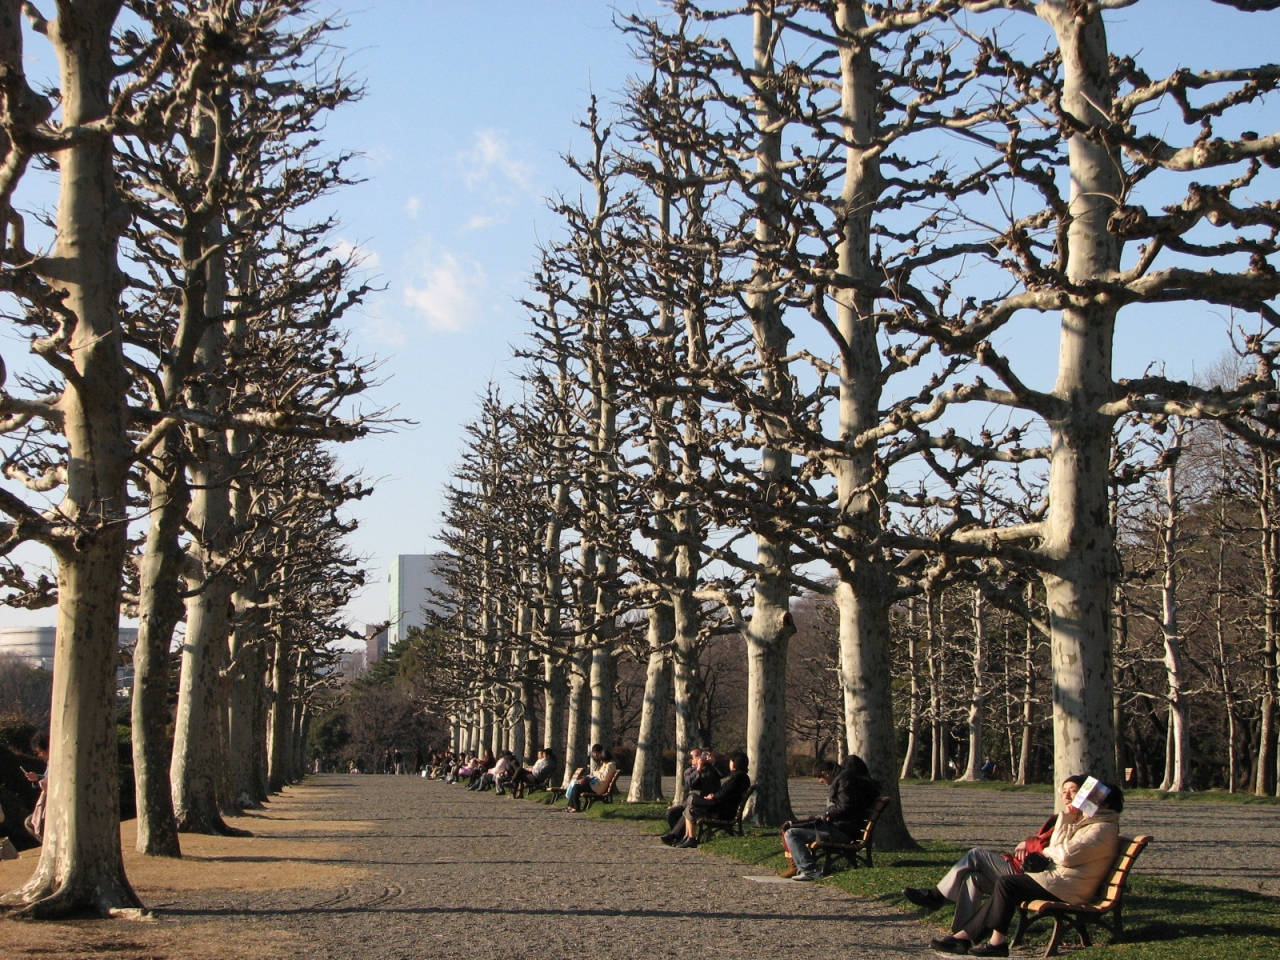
(1055, 938)
(1021, 928)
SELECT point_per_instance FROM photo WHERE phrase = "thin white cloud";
(412, 206)
(490, 162)
(446, 291)
(480, 221)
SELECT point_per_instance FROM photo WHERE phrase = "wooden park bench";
(588, 797)
(858, 850)
(1105, 910)
(707, 827)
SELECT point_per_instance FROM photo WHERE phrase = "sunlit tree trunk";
(1078, 541)
(978, 690)
(80, 870)
(771, 626)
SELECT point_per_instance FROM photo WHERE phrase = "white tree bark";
(1079, 540)
(80, 868)
(771, 625)
(978, 690)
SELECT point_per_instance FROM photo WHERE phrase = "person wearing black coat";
(700, 778)
(720, 805)
(853, 792)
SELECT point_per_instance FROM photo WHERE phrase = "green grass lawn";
(1163, 918)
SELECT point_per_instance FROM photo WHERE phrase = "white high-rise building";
(413, 577)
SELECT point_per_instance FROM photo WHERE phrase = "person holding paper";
(974, 876)
(1081, 850)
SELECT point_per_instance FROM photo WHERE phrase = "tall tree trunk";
(771, 626)
(978, 695)
(1078, 541)
(1265, 783)
(937, 682)
(555, 693)
(1177, 772)
(159, 609)
(281, 718)
(864, 589)
(604, 677)
(579, 720)
(80, 868)
(686, 680)
(1028, 695)
(914, 704)
(646, 776)
(242, 717)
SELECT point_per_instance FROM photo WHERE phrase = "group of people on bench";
(707, 796)
(1067, 860)
(484, 772)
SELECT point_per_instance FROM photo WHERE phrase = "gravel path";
(459, 874)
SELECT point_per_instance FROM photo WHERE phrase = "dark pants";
(997, 913)
(675, 815)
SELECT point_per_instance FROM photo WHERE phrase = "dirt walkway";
(385, 868)
(440, 872)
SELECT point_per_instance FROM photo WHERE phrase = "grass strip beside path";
(1163, 918)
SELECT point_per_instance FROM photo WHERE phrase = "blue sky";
(469, 105)
(469, 109)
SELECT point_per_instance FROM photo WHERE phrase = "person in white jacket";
(1077, 858)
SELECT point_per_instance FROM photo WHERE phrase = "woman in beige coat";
(1080, 852)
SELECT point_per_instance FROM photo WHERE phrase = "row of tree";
(169, 442)
(766, 358)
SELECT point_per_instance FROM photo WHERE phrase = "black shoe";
(669, 840)
(929, 899)
(952, 945)
(688, 843)
(989, 950)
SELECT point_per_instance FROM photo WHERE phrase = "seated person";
(1078, 856)
(853, 792)
(974, 876)
(701, 777)
(536, 776)
(596, 779)
(480, 767)
(722, 804)
(497, 773)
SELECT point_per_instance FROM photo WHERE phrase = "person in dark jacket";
(700, 778)
(853, 792)
(720, 805)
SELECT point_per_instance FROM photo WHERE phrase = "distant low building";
(414, 577)
(351, 664)
(35, 646)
